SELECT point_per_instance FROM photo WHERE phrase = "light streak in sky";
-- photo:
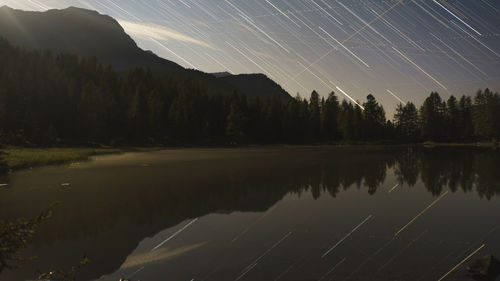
(460, 263)
(286, 31)
(364, 22)
(273, 66)
(159, 32)
(248, 58)
(87, 4)
(421, 213)
(354, 55)
(185, 4)
(332, 269)
(39, 5)
(314, 74)
(346, 236)
(285, 15)
(328, 86)
(123, 10)
(414, 64)
(482, 44)
(173, 235)
(247, 19)
(321, 8)
(457, 17)
(310, 28)
(456, 61)
(166, 48)
(344, 41)
(205, 10)
(458, 54)
(400, 32)
(486, 2)
(218, 62)
(251, 22)
(430, 14)
(394, 95)
(345, 94)
(238, 9)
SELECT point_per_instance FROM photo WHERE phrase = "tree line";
(48, 99)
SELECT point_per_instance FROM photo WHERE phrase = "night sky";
(397, 50)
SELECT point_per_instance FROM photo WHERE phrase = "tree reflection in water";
(112, 205)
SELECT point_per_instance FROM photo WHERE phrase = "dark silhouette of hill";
(78, 31)
(221, 74)
(257, 83)
(87, 33)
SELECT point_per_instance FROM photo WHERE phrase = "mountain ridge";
(88, 33)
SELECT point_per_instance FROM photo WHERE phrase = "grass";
(477, 144)
(21, 158)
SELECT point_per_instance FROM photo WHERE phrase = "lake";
(264, 213)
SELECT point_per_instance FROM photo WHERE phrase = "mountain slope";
(78, 31)
(258, 85)
(87, 33)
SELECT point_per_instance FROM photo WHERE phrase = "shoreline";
(19, 158)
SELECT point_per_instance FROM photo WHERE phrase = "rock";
(485, 268)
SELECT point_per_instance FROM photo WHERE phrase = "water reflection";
(115, 202)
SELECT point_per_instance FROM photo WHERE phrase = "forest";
(51, 100)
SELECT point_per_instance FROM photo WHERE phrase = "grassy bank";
(21, 158)
(475, 144)
(17, 158)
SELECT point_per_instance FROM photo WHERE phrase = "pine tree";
(314, 116)
(235, 129)
(452, 119)
(406, 121)
(486, 115)
(432, 115)
(374, 119)
(329, 116)
(465, 125)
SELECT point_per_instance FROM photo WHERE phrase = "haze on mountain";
(87, 33)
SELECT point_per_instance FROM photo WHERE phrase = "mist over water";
(271, 213)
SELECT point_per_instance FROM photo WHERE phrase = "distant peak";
(150, 52)
(221, 74)
(73, 8)
(69, 9)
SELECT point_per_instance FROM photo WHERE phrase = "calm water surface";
(282, 213)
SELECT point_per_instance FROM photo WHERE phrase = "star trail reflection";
(267, 213)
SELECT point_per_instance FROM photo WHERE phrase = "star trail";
(379, 47)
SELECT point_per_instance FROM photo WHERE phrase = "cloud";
(158, 32)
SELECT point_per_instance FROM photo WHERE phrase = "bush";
(3, 164)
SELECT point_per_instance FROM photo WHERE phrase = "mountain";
(256, 84)
(78, 31)
(87, 33)
(221, 74)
